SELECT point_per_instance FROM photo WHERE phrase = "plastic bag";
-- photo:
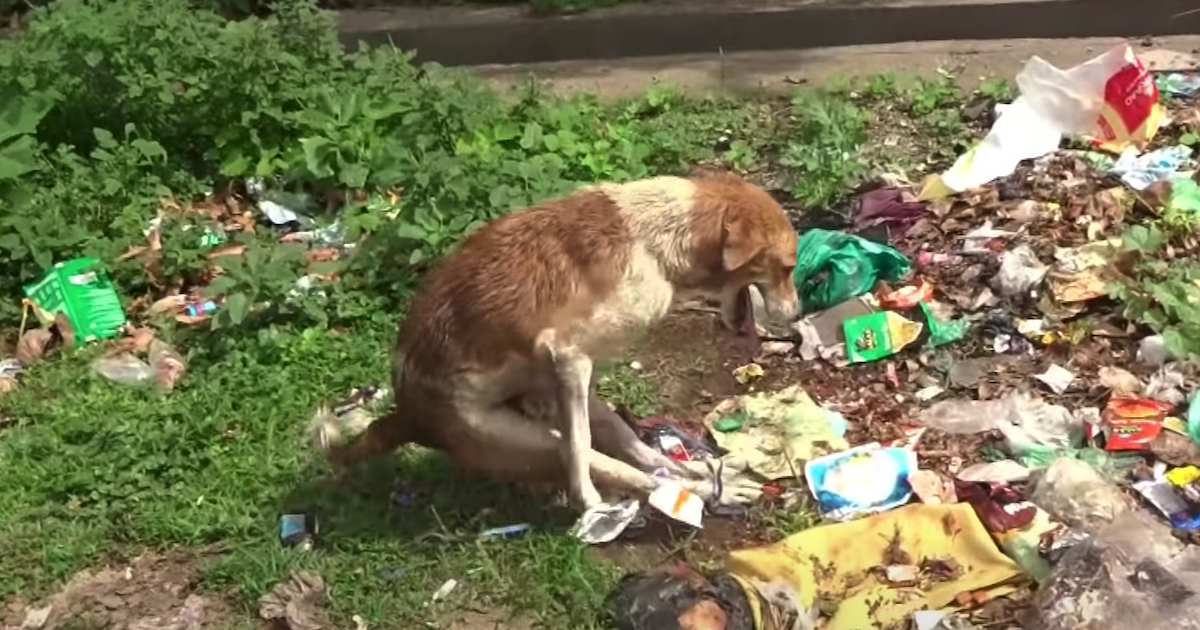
(1131, 574)
(1020, 272)
(1026, 421)
(123, 368)
(1111, 98)
(1075, 493)
(1193, 421)
(832, 267)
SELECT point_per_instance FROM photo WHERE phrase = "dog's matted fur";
(515, 316)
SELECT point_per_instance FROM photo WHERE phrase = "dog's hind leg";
(501, 443)
(613, 437)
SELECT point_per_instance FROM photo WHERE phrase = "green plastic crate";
(82, 290)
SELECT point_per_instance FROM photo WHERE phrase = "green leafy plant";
(1163, 294)
(824, 149)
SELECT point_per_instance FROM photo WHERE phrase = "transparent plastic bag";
(1131, 574)
(123, 368)
(1026, 420)
(1076, 493)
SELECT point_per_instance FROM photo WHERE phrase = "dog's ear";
(740, 246)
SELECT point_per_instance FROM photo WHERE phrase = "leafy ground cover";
(115, 113)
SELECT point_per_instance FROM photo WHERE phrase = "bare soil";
(154, 591)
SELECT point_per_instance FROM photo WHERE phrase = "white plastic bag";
(1111, 98)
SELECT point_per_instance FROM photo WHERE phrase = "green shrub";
(118, 105)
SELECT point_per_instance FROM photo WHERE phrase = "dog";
(512, 321)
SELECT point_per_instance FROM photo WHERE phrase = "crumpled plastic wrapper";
(1075, 493)
(296, 602)
(1122, 579)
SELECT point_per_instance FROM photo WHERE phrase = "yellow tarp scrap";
(838, 563)
(782, 431)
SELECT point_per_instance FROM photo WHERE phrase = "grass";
(92, 471)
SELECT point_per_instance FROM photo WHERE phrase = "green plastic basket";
(81, 289)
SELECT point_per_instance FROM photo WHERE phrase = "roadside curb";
(477, 37)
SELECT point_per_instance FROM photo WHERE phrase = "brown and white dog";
(515, 316)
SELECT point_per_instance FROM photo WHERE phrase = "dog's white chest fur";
(658, 213)
(643, 297)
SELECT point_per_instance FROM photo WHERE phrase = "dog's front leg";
(573, 370)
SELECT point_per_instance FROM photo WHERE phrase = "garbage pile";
(1030, 459)
(76, 302)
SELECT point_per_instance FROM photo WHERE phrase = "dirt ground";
(155, 591)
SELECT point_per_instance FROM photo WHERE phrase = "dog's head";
(758, 243)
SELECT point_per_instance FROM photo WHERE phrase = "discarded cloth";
(843, 562)
(887, 206)
(779, 431)
(832, 267)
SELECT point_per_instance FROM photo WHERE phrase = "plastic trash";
(298, 530)
(1168, 385)
(832, 267)
(1056, 377)
(1075, 493)
(124, 368)
(942, 332)
(1128, 575)
(677, 597)
(1193, 419)
(1002, 471)
(1121, 382)
(168, 365)
(1177, 84)
(10, 370)
(864, 480)
(877, 335)
(1020, 272)
(1026, 421)
(672, 499)
(1111, 98)
(604, 523)
(1139, 171)
(1185, 195)
(1153, 351)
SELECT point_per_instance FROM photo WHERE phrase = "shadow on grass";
(396, 530)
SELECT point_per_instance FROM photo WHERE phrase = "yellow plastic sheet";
(838, 562)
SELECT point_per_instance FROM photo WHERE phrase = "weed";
(997, 89)
(1164, 293)
(825, 147)
(623, 385)
(932, 94)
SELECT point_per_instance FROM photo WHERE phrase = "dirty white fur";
(658, 213)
